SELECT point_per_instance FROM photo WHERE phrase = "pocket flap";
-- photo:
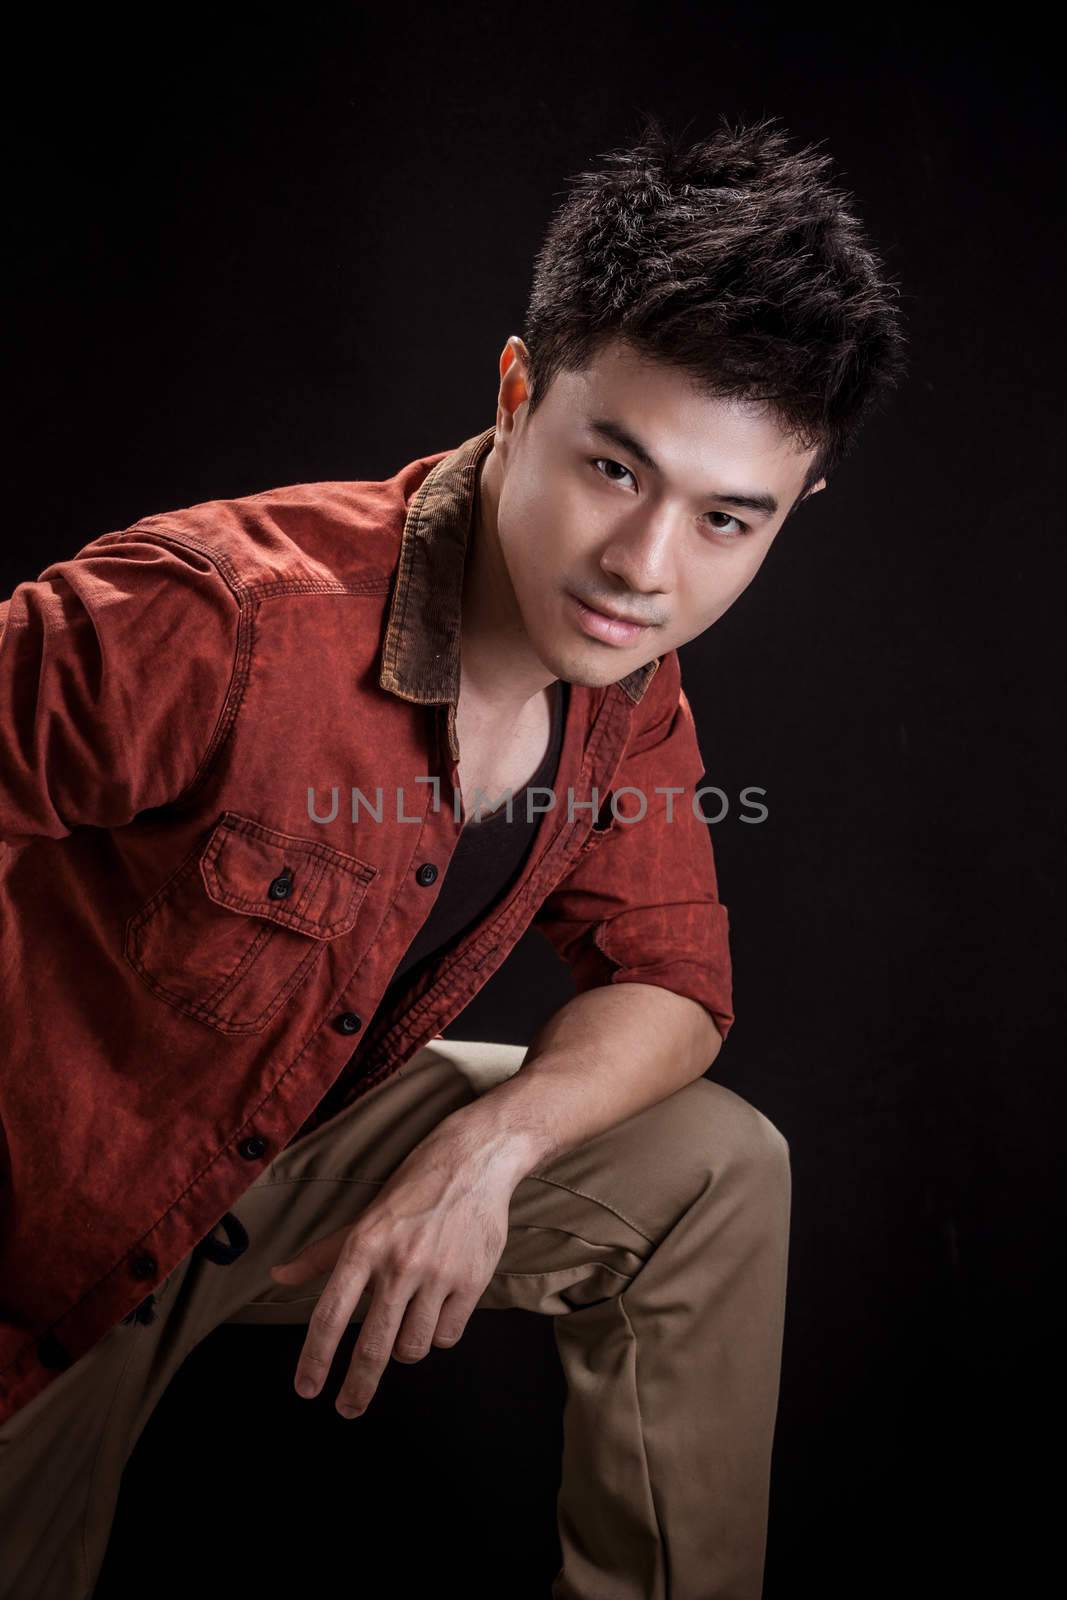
(304, 884)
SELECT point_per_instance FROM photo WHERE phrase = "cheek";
(533, 523)
(725, 583)
(748, 564)
(523, 555)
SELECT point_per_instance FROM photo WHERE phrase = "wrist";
(493, 1145)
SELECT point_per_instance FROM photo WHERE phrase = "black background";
(251, 253)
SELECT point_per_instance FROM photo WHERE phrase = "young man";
(248, 879)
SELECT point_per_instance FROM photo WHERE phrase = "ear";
(512, 375)
(816, 487)
(514, 358)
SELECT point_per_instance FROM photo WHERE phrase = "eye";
(606, 461)
(742, 527)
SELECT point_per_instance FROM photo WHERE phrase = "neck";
(499, 667)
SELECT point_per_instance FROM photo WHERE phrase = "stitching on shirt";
(242, 655)
(207, 1011)
(192, 541)
(313, 850)
(406, 568)
(246, 636)
(283, 586)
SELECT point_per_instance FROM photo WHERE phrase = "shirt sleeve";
(115, 667)
(640, 904)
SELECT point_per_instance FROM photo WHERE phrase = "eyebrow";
(621, 436)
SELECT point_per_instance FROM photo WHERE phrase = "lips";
(615, 616)
(611, 630)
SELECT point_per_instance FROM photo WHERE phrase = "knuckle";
(390, 1300)
(328, 1316)
(404, 1278)
(370, 1353)
(411, 1352)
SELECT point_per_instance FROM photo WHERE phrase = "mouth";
(605, 625)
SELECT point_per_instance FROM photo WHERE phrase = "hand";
(429, 1242)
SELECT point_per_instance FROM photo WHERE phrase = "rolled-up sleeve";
(641, 904)
(115, 667)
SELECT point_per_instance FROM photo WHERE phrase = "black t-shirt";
(488, 857)
(486, 861)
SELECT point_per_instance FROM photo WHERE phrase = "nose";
(642, 555)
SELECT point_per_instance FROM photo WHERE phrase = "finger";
(330, 1318)
(420, 1323)
(373, 1348)
(453, 1319)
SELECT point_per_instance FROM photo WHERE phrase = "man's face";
(582, 517)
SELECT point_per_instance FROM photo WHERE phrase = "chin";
(563, 655)
(593, 674)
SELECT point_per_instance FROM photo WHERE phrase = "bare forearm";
(607, 1054)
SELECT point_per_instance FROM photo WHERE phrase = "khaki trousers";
(659, 1248)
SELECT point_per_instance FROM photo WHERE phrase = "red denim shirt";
(188, 952)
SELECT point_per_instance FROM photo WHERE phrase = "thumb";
(296, 1269)
(318, 1257)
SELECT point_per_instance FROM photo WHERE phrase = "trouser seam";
(603, 1204)
(660, 1535)
(308, 1299)
(278, 1183)
(601, 1266)
(568, 1233)
(554, 1183)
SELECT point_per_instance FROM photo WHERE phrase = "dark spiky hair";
(735, 259)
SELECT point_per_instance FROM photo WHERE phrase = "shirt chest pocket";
(232, 935)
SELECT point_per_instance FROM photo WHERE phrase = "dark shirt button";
(279, 889)
(144, 1267)
(427, 872)
(348, 1022)
(252, 1148)
(52, 1352)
